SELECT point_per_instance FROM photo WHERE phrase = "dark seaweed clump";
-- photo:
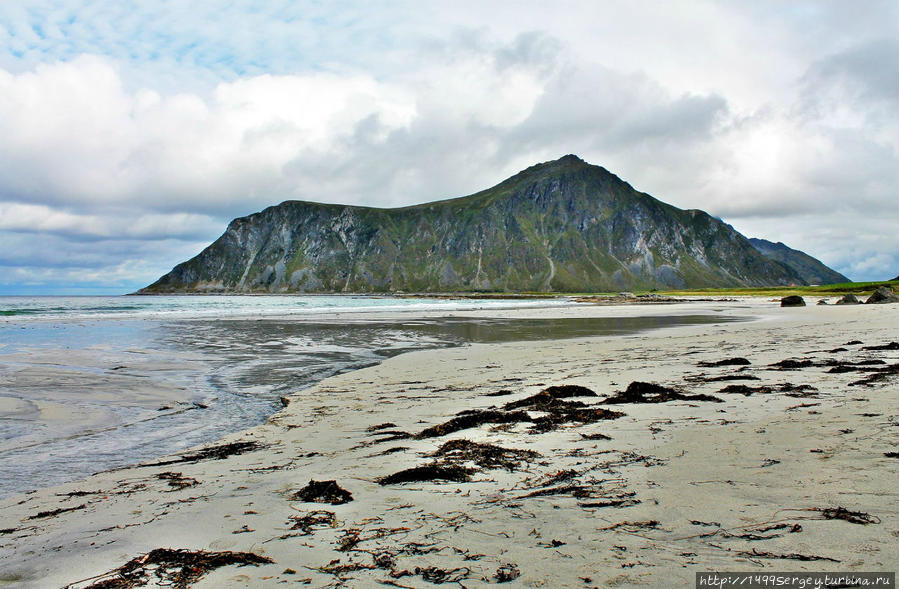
(323, 492)
(648, 392)
(726, 362)
(550, 401)
(173, 568)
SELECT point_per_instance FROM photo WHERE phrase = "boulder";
(822, 301)
(849, 299)
(884, 294)
(792, 301)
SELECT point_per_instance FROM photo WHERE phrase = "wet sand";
(750, 483)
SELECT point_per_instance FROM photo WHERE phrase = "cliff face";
(563, 226)
(812, 270)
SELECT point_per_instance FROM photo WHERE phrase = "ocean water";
(93, 383)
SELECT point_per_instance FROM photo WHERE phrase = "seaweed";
(884, 347)
(565, 391)
(647, 392)
(502, 393)
(380, 426)
(215, 453)
(791, 390)
(177, 480)
(596, 436)
(632, 526)
(507, 573)
(791, 364)
(877, 375)
(723, 377)
(473, 419)
(433, 471)
(434, 574)
(725, 362)
(550, 401)
(546, 399)
(484, 455)
(854, 517)
(792, 556)
(323, 492)
(860, 366)
(565, 413)
(311, 521)
(55, 512)
(172, 567)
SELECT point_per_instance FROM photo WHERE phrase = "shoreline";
(245, 501)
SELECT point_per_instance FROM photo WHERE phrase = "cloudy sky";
(132, 132)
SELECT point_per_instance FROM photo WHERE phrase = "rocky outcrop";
(811, 270)
(849, 299)
(792, 301)
(561, 226)
(884, 294)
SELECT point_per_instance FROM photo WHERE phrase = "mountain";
(811, 270)
(563, 226)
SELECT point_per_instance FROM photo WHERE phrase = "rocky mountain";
(561, 226)
(812, 270)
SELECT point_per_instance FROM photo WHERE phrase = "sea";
(92, 383)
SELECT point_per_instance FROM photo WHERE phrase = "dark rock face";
(849, 299)
(561, 226)
(812, 270)
(884, 294)
(792, 301)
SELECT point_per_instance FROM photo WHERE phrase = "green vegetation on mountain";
(560, 226)
(811, 270)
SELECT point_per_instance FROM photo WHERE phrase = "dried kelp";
(884, 347)
(55, 512)
(507, 573)
(791, 556)
(725, 362)
(877, 375)
(860, 366)
(550, 401)
(177, 481)
(214, 453)
(484, 455)
(791, 364)
(323, 492)
(723, 377)
(473, 419)
(433, 471)
(791, 390)
(435, 575)
(854, 517)
(309, 522)
(380, 426)
(647, 392)
(171, 567)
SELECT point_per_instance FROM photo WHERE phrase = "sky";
(131, 133)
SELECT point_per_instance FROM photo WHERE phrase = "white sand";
(739, 467)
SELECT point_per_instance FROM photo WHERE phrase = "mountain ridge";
(809, 268)
(558, 226)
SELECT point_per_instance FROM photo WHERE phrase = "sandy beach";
(535, 464)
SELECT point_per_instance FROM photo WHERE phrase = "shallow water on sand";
(80, 396)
